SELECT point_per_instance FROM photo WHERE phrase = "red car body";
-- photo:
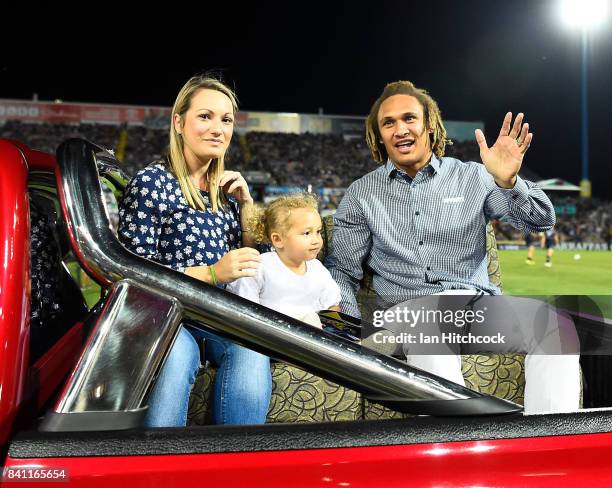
(546, 450)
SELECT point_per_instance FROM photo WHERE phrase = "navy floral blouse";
(156, 222)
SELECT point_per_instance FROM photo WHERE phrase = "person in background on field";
(549, 239)
(529, 242)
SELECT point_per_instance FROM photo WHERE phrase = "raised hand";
(234, 184)
(504, 159)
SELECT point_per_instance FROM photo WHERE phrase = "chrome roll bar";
(182, 297)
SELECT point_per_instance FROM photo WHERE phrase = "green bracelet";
(213, 275)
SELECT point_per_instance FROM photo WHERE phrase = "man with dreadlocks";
(418, 222)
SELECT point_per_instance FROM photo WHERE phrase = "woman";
(188, 213)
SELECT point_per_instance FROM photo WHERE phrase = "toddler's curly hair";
(275, 216)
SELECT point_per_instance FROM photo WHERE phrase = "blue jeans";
(242, 388)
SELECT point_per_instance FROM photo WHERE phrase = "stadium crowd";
(46, 137)
(292, 159)
(299, 160)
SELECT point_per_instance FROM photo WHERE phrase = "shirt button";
(420, 243)
(428, 268)
(416, 213)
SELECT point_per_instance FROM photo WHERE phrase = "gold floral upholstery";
(501, 375)
(298, 396)
(493, 269)
(199, 412)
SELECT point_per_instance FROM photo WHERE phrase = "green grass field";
(589, 275)
(90, 289)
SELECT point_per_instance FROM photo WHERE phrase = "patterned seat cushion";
(297, 396)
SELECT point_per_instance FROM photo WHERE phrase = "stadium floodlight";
(584, 13)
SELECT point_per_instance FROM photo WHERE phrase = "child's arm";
(248, 287)
(330, 291)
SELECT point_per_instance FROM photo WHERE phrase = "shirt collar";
(390, 169)
(434, 166)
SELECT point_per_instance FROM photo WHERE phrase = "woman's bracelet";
(213, 275)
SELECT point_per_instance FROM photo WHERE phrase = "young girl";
(290, 280)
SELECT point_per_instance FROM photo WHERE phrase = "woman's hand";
(234, 184)
(237, 263)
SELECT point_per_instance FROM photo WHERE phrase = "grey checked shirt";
(428, 234)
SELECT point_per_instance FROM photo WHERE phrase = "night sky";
(478, 59)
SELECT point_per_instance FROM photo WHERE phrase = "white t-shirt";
(279, 288)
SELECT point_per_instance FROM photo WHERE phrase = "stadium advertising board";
(315, 124)
(71, 113)
(462, 131)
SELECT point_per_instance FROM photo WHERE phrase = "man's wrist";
(506, 184)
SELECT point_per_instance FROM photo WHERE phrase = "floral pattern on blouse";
(156, 222)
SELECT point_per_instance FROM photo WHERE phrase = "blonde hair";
(276, 216)
(176, 155)
(431, 113)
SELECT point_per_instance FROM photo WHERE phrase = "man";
(418, 222)
(529, 242)
(549, 239)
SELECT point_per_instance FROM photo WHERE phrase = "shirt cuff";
(519, 193)
(350, 309)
